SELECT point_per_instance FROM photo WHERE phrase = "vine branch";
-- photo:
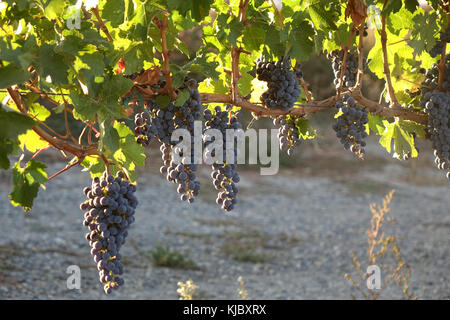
(387, 72)
(102, 25)
(315, 106)
(360, 57)
(79, 151)
(162, 26)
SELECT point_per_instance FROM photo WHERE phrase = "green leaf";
(200, 8)
(182, 97)
(39, 111)
(425, 28)
(7, 147)
(253, 37)
(55, 9)
(234, 28)
(386, 137)
(320, 16)
(52, 64)
(411, 5)
(13, 124)
(113, 11)
(376, 124)
(391, 7)
(129, 149)
(11, 74)
(305, 129)
(31, 141)
(402, 138)
(110, 138)
(26, 183)
(162, 101)
(84, 107)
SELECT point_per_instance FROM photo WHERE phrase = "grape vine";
(121, 62)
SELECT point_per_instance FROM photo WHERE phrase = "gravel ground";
(289, 238)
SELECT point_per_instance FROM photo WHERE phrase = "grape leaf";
(7, 147)
(11, 74)
(84, 107)
(320, 16)
(12, 124)
(253, 37)
(31, 141)
(26, 183)
(128, 146)
(113, 11)
(54, 9)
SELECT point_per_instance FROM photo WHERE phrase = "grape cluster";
(444, 37)
(288, 133)
(181, 172)
(437, 106)
(283, 89)
(224, 174)
(351, 67)
(298, 70)
(431, 78)
(160, 123)
(109, 211)
(350, 125)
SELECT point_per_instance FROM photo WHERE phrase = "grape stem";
(67, 167)
(344, 63)
(441, 67)
(387, 72)
(304, 85)
(235, 53)
(360, 56)
(162, 26)
(101, 24)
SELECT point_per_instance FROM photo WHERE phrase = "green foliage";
(78, 65)
(26, 183)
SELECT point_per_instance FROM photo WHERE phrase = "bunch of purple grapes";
(224, 174)
(432, 76)
(182, 171)
(283, 89)
(157, 122)
(437, 106)
(350, 125)
(109, 211)
(351, 67)
(288, 133)
(444, 37)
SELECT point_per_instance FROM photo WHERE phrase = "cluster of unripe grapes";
(109, 211)
(444, 37)
(288, 133)
(350, 126)
(224, 174)
(351, 67)
(283, 89)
